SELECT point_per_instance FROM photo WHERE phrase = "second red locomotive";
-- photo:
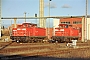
(65, 33)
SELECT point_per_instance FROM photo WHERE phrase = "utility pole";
(86, 7)
(86, 20)
(0, 19)
(49, 21)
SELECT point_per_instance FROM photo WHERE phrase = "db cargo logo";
(61, 29)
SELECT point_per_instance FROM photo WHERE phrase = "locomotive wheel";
(67, 40)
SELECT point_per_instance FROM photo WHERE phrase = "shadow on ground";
(19, 57)
(6, 45)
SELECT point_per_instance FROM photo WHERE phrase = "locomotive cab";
(63, 26)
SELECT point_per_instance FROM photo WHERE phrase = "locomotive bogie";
(64, 38)
(31, 39)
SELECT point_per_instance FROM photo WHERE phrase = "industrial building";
(88, 28)
(75, 22)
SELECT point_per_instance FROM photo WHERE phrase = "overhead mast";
(0, 19)
(86, 21)
(41, 13)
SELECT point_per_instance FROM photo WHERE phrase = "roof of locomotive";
(29, 23)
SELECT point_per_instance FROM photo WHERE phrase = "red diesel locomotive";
(28, 32)
(65, 33)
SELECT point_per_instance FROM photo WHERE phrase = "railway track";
(20, 51)
(48, 53)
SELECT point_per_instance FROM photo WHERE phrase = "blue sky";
(16, 8)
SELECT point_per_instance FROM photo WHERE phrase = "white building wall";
(55, 24)
(89, 32)
(88, 28)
